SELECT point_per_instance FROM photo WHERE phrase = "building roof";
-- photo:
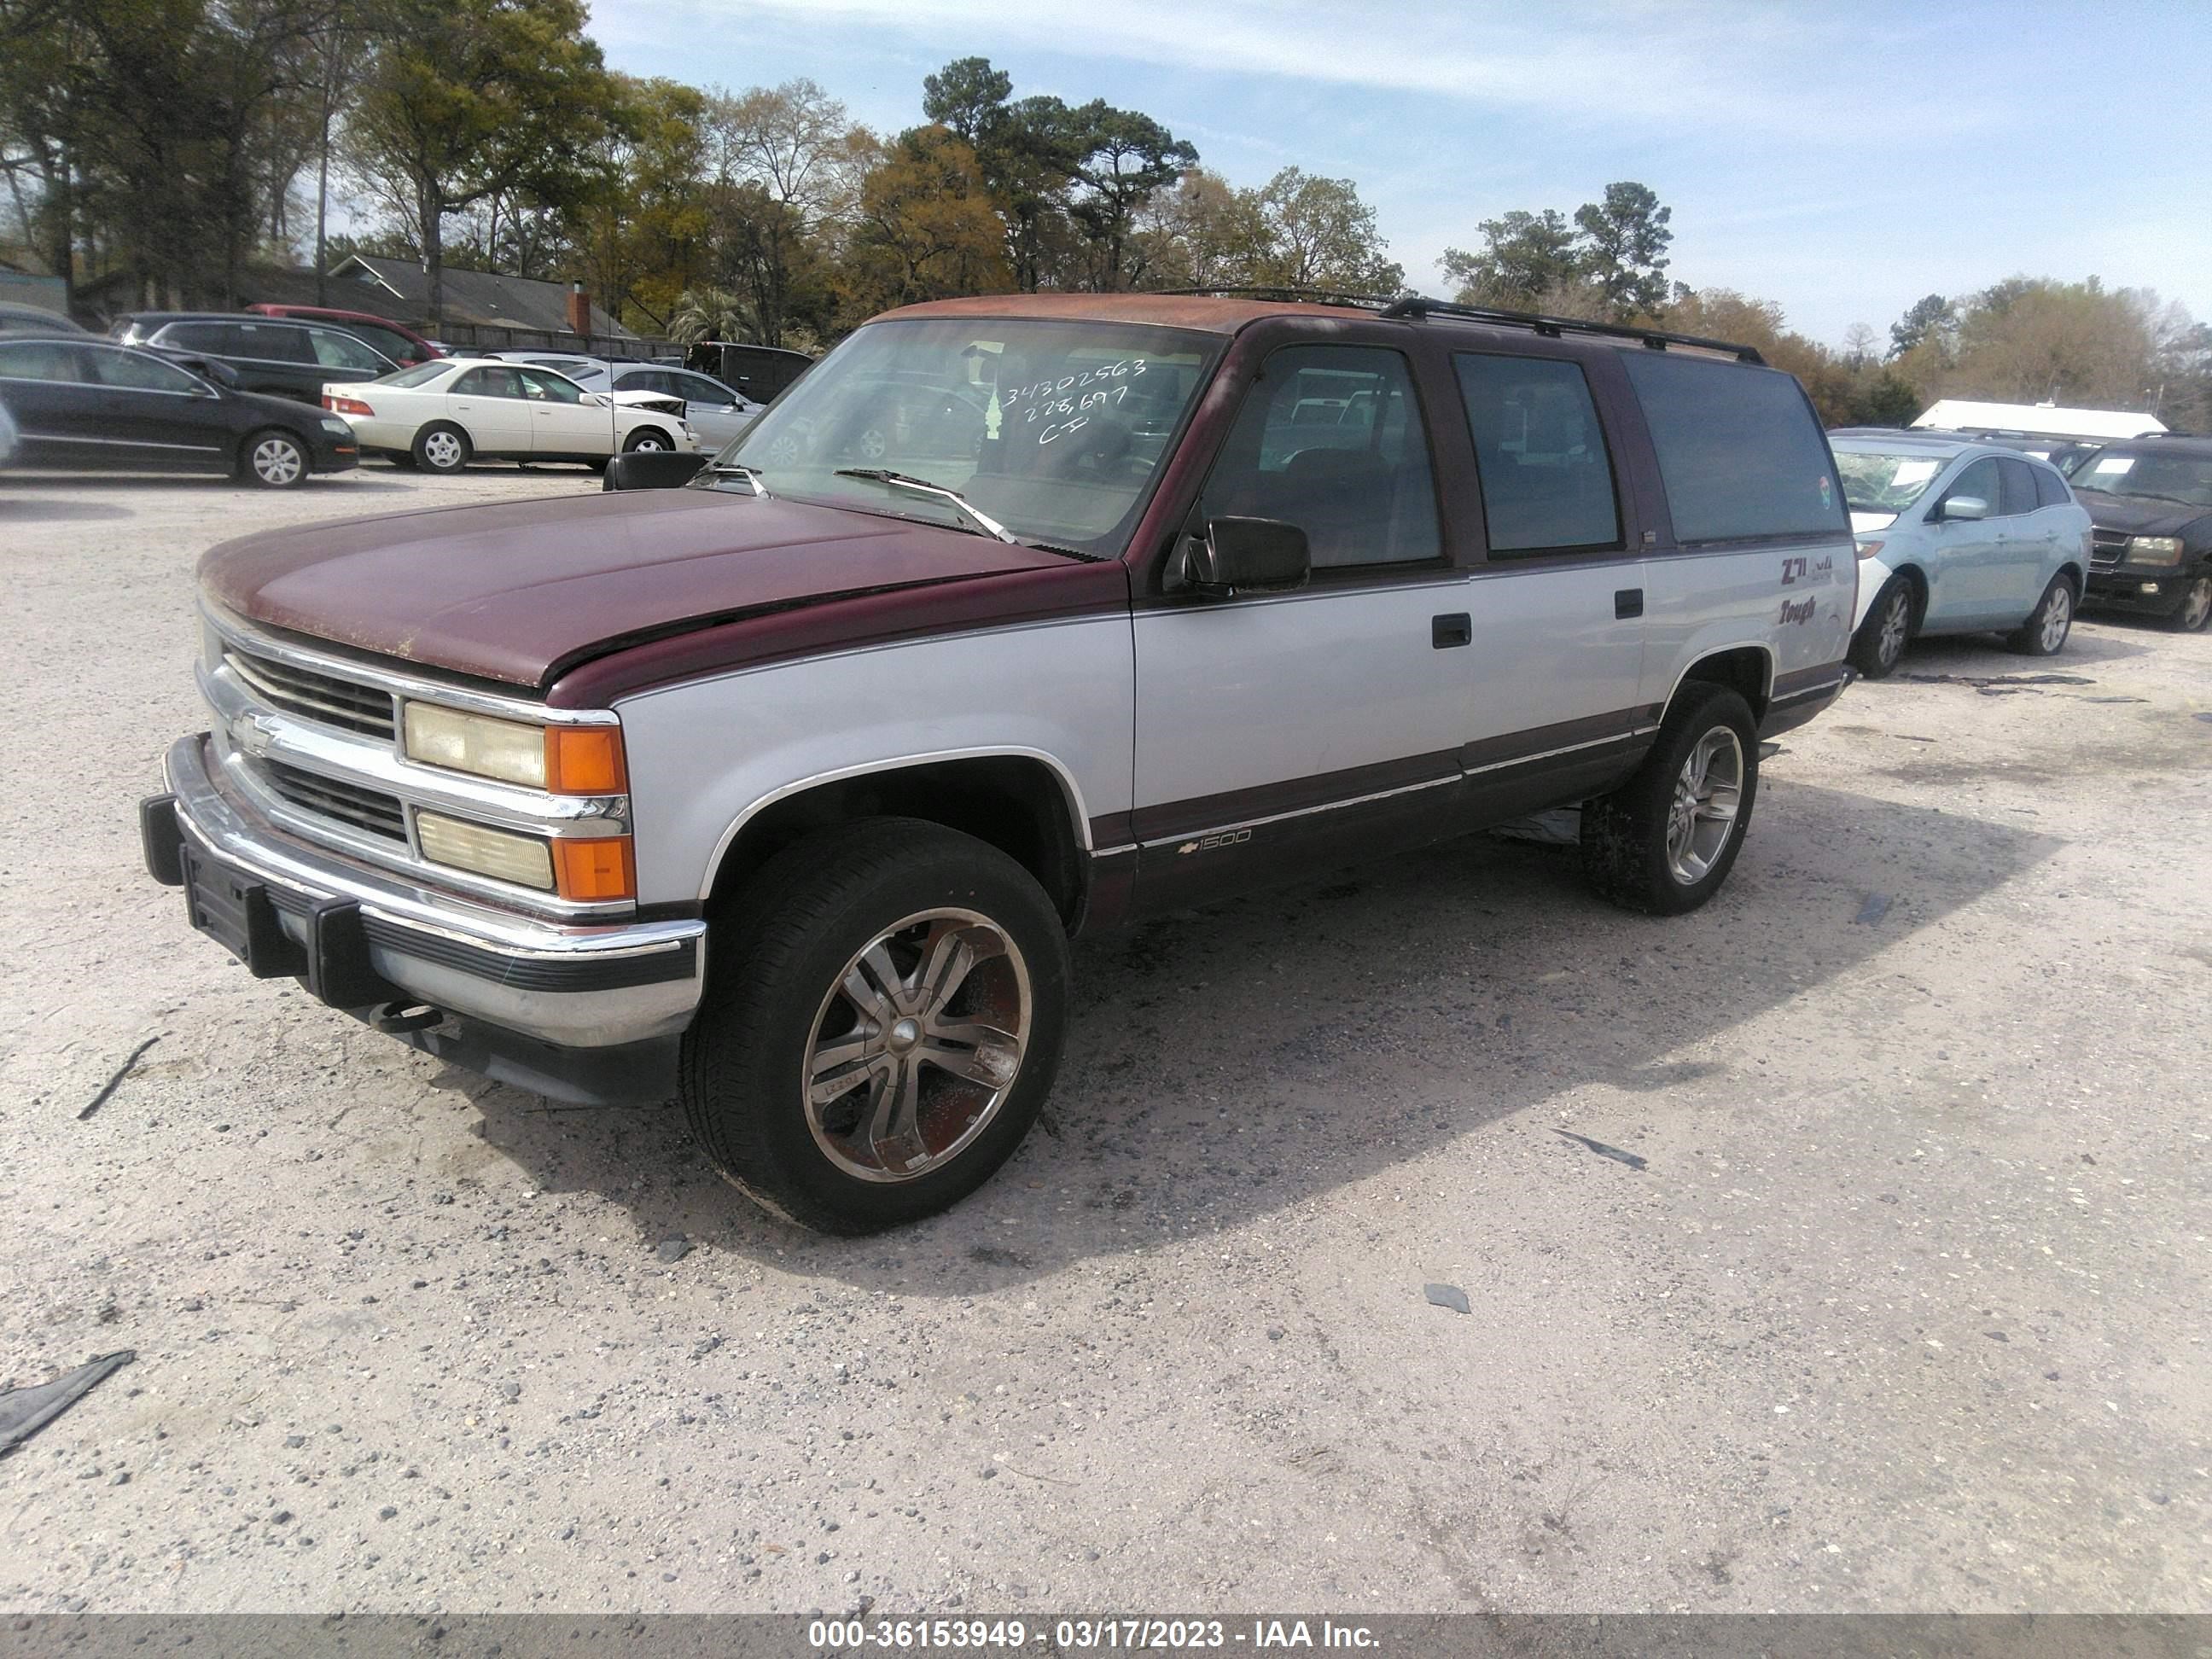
(2040, 419)
(476, 297)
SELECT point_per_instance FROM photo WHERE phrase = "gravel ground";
(1818, 1255)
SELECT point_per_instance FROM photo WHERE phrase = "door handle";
(1447, 631)
(1627, 602)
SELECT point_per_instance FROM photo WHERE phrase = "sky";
(1840, 159)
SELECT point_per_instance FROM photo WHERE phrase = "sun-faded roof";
(1212, 313)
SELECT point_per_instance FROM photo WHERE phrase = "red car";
(395, 340)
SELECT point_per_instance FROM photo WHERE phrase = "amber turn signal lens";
(585, 760)
(587, 869)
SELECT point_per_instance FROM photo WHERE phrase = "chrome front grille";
(2106, 547)
(369, 810)
(323, 698)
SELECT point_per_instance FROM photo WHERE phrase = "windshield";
(1055, 430)
(1877, 482)
(2186, 479)
(415, 375)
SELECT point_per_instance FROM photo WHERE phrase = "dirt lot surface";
(1843, 1246)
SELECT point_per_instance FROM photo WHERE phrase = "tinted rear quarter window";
(1740, 451)
(2051, 489)
(2019, 488)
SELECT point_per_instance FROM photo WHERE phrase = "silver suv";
(1017, 617)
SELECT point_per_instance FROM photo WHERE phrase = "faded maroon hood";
(518, 591)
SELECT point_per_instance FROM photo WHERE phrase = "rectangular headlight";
(477, 743)
(527, 860)
(2153, 550)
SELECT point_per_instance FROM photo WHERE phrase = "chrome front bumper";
(573, 984)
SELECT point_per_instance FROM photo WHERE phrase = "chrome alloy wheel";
(443, 451)
(917, 1045)
(1708, 791)
(277, 462)
(2057, 617)
(1896, 623)
(650, 442)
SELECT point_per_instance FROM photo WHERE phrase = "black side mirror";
(1248, 556)
(651, 469)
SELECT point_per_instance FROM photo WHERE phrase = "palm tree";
(711, 313)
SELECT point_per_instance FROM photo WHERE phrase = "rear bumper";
(1798, 697)
(358, 938)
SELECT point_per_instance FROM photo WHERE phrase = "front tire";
(441, 448)
(2196, 607)
(2044, 632)
(1665, 840)
(1879, 646)
(273, 459)
(883, 1027)
(649, 440)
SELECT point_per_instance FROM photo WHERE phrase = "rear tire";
(442, 446)
(273, 459)
(1665, 841)
(1890, 624)
(837, 950)
(2044, 632)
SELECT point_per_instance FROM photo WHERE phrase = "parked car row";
(1969, 533)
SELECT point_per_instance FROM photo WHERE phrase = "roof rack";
(1319, 296)
(1416, 308)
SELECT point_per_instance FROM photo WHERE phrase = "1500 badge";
(1214, 843)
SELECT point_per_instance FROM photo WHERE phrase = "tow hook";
(397, 1019)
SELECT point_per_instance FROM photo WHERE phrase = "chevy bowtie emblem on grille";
(252, 735)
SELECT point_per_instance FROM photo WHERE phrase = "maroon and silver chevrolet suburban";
(783, 791)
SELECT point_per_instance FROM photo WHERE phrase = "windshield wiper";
(922, 486)
(751, 475)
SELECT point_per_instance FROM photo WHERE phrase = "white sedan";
(717, 413)
(440, 415)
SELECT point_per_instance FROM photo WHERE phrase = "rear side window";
(273, 342)
(2019, 488)
(1546, 484)
(2051, 489)
(1330, 439)
(221, 338)
(139, 372)
(1739, 452)
(497, 382)
(45, 360)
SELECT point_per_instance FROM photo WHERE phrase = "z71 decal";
(1797, 570)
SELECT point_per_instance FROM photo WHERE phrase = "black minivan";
(269, 354)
